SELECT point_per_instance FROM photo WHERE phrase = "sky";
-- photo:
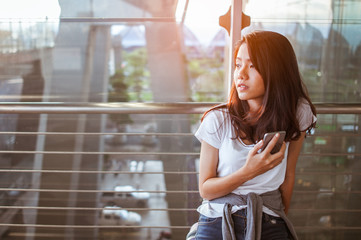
(39, 9)
(203, 17)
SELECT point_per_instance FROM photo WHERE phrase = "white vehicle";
(126, 197)
(115, 216)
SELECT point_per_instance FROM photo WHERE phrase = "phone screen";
(268, 137)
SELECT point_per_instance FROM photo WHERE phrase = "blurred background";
(99, 101)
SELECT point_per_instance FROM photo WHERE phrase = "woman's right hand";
(211, 186)
(259, 163)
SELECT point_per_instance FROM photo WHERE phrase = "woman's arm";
(211, 186)
(287, 186)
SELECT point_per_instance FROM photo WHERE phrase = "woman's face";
(248, 82)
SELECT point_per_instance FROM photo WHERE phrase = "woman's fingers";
(278, 156)
(265, 160)
(256, 148)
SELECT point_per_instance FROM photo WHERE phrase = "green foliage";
(136, 75)
(195, 69)
(118, 89)
(130, 82)
(118, 92)
(207, 79)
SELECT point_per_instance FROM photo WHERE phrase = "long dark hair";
(273, 57)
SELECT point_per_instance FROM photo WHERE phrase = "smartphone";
(268, 137)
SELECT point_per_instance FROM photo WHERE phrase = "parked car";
(126, 197)
(115, 216)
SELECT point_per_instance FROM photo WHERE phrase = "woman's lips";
(242, 87)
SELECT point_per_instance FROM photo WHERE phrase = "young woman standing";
(246, 192)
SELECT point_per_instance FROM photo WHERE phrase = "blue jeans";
(272, 227)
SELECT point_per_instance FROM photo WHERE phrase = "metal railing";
(142, 108)
(27, 34)
(146, 108)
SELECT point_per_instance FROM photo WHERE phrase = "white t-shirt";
(216, 129)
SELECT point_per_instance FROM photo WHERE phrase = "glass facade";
(58, 170)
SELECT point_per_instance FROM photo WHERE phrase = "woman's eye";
(251, 66)
(238, 65)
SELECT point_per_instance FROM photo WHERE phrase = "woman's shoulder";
(303, 108)
(305, 115)
(213, 127)
(303, 105)
(219, 112)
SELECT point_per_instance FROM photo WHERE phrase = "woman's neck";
(254, 106)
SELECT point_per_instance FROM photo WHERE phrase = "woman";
(246, 192)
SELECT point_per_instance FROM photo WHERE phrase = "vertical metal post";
(81, 123)
(235, 35)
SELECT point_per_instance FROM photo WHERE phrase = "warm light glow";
(180, 10)
(203, 17)
(34, 9)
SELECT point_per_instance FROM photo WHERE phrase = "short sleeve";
(211, 129)
(305, 115)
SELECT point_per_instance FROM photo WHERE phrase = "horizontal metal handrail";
(169, 209)
(159, 191)
(105, 108)
(114, 208)
(89, 226)
(7, 170)
(156, 153)
(94, 172)
(112, 153)
(335, 228)
(115, 20)
(156, 134)
(145, 108)
(111, 191)
(102, 133)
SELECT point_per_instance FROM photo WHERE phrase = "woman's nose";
(241, 73)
